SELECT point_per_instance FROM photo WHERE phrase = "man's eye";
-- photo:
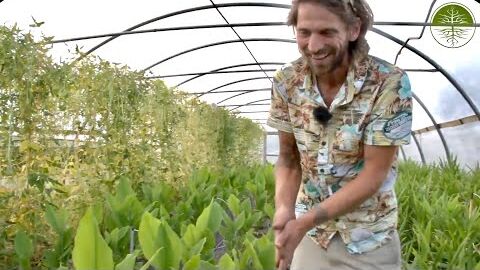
(303, 33)
(329, 33)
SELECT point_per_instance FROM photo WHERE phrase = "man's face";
(322, 38)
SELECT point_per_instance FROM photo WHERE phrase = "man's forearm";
(287, 180)
(287, 184)
(344, 200)
(378, 162)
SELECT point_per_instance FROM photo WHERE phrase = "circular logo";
(453, 25)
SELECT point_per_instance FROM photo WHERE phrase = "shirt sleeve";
(279, 117)
(391, 115)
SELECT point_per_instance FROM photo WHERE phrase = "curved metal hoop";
(230, 83)
(217, 44)
(246, 4)
(228, 67)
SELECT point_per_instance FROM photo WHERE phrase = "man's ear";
(354, 30)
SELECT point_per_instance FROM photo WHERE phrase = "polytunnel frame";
(405, 44)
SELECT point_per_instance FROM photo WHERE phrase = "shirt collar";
(352, 85)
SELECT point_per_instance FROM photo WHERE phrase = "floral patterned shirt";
(373, 107)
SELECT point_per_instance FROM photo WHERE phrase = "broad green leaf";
(226, 263)
(23, 245)
(163, 213)
(228, 231)
(193, 263)
(155, 234)
(56, 219)
(61, 251)
(172, 251)
(246, 207)
(160, 192)
(126, 211)
(249, 235)
(269, 179)
(240, 221)
(155, 212)
(24, 249)
(228, 221)
(128, 263)
(117, 235)
(260, 179)
(249, 259)
(210, 219)
(198, 247)
(252, 187)
(265, 249)
(190, 237)
(90, 250)
(51, 259)
(147, 235)
(150, 261)
(209, 245)
(260, 199)
(97, 209)
(123, 188)
(204, 265)
(234, 204)
(151, 206)
(477, 267)
(253, 219)
(269, 210)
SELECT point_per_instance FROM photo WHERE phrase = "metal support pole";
(132, 240)
(264, 148)
(440, 133)
(419, 149)
(403, 153)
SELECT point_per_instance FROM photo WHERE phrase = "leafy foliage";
(90, 250)
(71, 131)
(24, 249)
(439, 216)
(92, 121)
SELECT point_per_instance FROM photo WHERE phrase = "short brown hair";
(347, 11)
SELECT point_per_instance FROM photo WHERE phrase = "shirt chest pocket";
(347, 140)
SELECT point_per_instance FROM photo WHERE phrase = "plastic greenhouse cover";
(69, 19)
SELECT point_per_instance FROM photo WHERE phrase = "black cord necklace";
(321, 113)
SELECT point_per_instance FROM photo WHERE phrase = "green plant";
(58, 221)
(90, 250)
(24, 249)
(440, 221)
(71, 133)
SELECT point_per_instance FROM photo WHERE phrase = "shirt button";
(322, 170)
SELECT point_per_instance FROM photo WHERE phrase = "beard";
(333, 60)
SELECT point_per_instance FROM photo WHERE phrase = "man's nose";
(315, 44)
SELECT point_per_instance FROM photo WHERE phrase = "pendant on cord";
(322, 115)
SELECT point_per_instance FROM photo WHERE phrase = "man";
(341, 115)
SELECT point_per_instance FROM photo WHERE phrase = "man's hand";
(282, 217)
(286, 241)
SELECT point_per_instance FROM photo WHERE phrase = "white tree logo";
(453, 25)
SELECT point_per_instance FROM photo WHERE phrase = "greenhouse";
(134, 134)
